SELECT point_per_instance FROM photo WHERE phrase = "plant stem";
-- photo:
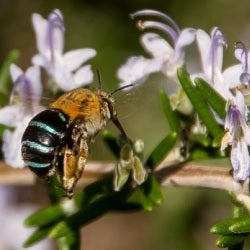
(187, 174)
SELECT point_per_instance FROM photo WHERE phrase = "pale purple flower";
(243, 69)
(27, 87)
(64, 68)
(163, 56)
(238, 137)
(211, 52)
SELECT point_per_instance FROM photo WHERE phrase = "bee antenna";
(122, 87)
(99, 78)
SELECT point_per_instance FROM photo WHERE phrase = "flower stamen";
(245, 76)
(142, 25)
(168, 25)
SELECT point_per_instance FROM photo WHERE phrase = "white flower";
(137, 68)
(238, 136)
(164, 57)
(27, 86)
(65, 69)
(211, 52)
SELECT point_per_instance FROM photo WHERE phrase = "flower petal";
(83, 76)
(15, 72)
(49, 35)
(12, 148)
(73, 59)
(12, 144)
(137, 68)
(240, 160)
(231, 76)
(43, 62)
(186, 37)
(157, 46)
(63, 78)
(11, 115)
(33, 73)
(40, 26)
(204, 42)
(55, 31)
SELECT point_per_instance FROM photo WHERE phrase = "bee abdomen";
(43, 140)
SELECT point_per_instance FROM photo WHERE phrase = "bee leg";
(73, 165)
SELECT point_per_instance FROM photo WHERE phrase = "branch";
(196, 175)
(183, 174)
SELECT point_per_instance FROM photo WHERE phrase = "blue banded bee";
(56, 140)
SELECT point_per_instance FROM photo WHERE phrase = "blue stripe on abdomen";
(39, 147)
(45, 127)
(32, 164)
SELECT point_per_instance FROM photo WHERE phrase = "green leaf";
(223, 227)
(161, 150)
(69, 242)
(217, 141)
(2, 128)
(171, 116)
(45, 216)
(38, 235)
(241, 226)
(230, 241)
(138, 197)
(88, 213)
(4, 99)
(216, 101)
(148, 194)
(95, 191)
(198, 154)
(154, 191)
(199, 104)
(55, 190)
(232, 226)
(62, 229)
(5, 71)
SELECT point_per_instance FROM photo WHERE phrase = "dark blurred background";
(183, 221)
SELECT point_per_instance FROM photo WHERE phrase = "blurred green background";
(183, 221)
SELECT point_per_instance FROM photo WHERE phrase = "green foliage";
(170, 115)
(235, 230)
(215, 100)
(95, 200)
(147, 195)
(133, 186)
(63, 220)
(39, 234)
(200, 104)
(45, 216)
(161, 150)
(167, 143)
(5, 83)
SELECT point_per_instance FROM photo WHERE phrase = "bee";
(56, 140)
